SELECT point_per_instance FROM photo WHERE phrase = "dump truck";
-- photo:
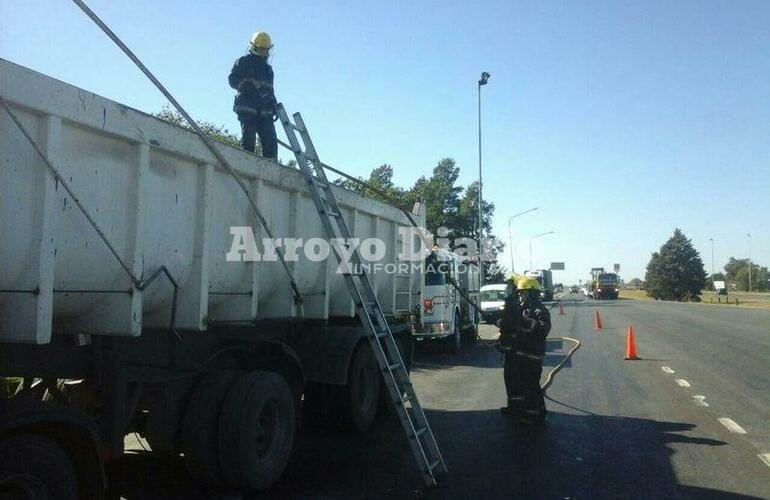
(603, 285)
(133, 304)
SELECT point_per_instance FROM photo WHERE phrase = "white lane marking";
(682, 382)
(731, 425)
(765, 457)
(700, 400)
(667, 369)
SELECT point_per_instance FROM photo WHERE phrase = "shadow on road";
(589, 456)
(434, 355)
(482, 353)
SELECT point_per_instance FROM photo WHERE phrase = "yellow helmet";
(261, 40)
(526, 283)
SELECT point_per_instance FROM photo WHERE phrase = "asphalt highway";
(691, 419)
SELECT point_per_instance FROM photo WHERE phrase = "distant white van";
(492, 302)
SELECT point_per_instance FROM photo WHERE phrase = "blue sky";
(621, 120)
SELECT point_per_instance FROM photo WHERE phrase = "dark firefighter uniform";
(255, 102)
(524, 359)
(510, 325)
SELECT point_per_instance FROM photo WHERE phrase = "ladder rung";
(319, 183)
(332, 213)
(420, 432)
(434, 464)
(380, 335)
(394, 366)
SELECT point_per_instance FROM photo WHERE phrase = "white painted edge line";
(700, 400)
(731, 425)
(765, 457)
(682, 382)
(667, 369)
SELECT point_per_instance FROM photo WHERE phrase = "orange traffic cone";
(597, 320)
(630, 344)
(561, 309)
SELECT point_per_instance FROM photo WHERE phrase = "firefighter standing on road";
(509, 333)
(255, 102)
(524, 359)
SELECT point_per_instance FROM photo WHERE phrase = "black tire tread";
(240, 468)
(200, 429)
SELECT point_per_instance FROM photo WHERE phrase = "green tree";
(446, 204)
(636, 283)
(440, 195)
(676, 271)
(733, 266)
(759, 278)
(495, 273)
(217, 132)
(381, 179)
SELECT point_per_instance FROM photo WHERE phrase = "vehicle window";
(436, 271)
(493, 295)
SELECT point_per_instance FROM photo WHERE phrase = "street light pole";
(510, 233)
(530, 245)
(482, 81)
(712, 260)
(749, 235)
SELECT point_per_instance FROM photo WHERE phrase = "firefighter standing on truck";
(255, 103)
(524, 358)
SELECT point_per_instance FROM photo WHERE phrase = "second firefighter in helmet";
(255, 103)
(524, 358)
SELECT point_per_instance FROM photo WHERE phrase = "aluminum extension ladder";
(400, 389)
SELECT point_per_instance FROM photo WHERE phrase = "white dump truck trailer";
(155, 323)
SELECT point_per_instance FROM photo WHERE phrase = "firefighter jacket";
(252, 77)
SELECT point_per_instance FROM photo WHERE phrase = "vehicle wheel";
(200, 430)
(456, 339)
(35, 467)
(472, 332)
(256, 430)
(361, 395)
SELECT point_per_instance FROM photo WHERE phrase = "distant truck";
(545, 278)
(605, 286)
(492, 302)
(446, 312)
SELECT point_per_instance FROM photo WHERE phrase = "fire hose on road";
(549, 377)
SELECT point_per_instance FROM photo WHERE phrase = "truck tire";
(360, 397)
(472, 332)
(256, 430)
(456, 339)
(35, 467)
(200, 430)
